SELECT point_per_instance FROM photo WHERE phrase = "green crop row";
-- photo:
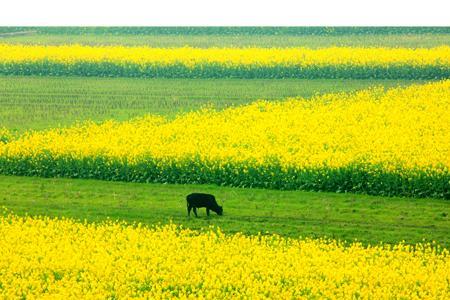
(108, 69)
(372, 180)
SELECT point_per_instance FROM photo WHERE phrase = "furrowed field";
(328, 148)
(48, 102)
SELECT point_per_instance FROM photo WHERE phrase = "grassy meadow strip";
(347, 217)
(379, 142)
(187, 62)
(66, 259)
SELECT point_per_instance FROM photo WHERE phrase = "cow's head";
(220, 210)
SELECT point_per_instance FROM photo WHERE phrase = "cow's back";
(200, 199)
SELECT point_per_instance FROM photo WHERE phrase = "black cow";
(196, 200)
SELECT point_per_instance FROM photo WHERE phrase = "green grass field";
(45, 102)
(289, 213)
(204, 41)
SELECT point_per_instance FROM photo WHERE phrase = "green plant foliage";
(107, 69)
(372, 180)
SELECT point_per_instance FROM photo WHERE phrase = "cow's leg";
(189, 210)
(195, 211)
(207, 212)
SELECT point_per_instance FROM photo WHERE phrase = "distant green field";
(169, 40)
(289, 213)
(45, 102)
(230, 30)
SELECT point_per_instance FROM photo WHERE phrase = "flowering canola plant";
(5, 135)
(60, 258)
(334, 62)
(394, 142)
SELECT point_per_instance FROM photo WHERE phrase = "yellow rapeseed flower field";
(44, 258)
(229, 56)
(402, 131)
(403, 127)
